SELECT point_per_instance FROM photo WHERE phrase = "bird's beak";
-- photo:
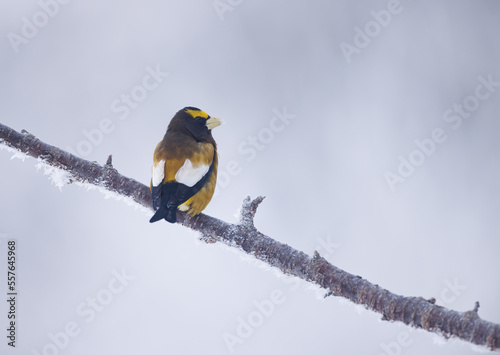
(213, 122)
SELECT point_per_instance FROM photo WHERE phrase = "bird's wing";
(190, 167)
(190, 172)
(189, 175)
(157, 178)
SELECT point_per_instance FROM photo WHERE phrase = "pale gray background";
(323, 175)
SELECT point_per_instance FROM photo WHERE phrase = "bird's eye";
(200, 120)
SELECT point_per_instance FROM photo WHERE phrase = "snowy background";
(363, 80)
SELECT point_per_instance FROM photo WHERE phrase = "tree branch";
(413, 311)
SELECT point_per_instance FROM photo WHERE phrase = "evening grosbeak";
(185, 165)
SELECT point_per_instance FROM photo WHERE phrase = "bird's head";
(197, 122)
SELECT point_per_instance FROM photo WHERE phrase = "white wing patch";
(158, 172)
(189, 175)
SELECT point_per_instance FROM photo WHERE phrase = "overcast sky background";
(432, 233)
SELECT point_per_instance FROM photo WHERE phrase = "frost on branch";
(58, 177)
(413, 311)
(75, 169)
(249, 209)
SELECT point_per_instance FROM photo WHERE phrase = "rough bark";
(414, 311)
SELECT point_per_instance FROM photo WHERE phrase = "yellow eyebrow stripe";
(196, 113)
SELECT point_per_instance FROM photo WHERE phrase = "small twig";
(109, 162)
(249, 209)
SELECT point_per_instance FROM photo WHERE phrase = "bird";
(185, 161)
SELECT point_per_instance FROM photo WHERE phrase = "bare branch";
(414, 311)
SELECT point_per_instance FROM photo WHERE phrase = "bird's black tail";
(167, 213)
(164, 202)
